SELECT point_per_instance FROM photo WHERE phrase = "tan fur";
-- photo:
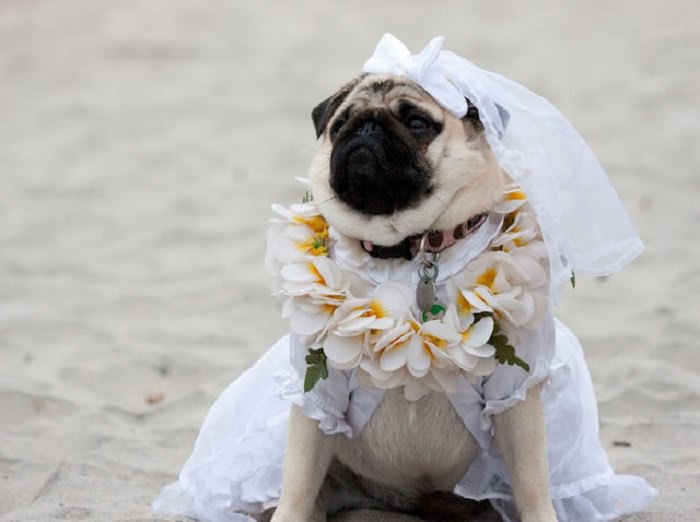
(392, 448)
(416, 446)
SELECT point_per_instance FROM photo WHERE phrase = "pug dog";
(394, 164)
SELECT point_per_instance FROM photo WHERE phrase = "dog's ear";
(473, 116)
(324, 111)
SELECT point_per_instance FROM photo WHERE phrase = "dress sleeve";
(508, 384)
(327, 402)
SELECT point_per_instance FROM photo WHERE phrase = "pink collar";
(437, 240)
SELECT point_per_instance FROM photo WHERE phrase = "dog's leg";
(521, 438)
(308, 455)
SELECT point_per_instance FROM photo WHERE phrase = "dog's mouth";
(375, 175)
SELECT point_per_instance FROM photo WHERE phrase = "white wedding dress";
(236, 466)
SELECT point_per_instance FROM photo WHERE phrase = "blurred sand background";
(142, 142)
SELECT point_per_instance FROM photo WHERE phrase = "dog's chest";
(416, 446)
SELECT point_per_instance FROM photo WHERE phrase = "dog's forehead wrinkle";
(366, 106)
(383, 83)
(390, 90)
(381, 86)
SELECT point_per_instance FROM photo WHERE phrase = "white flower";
(297, 213)
(513, 199)
(360, 320)
(370, 374)
(402, 348)
(472, 353)
(315, 275)
(418, 348)
(316, 288)
(440, 337)
(302, 233)
(496, 282)
(437, 337)
(521, 228)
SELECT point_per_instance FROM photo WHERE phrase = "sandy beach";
(142, 143)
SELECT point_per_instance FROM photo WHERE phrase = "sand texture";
(142, 142)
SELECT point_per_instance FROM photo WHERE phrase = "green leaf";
(437, 311)
(505, 352)
(316, 368)
(478, 316)
(573, 279)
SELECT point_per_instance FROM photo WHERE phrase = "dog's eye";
(337, 125)
(417, 124)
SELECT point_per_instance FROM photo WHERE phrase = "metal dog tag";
(428, 271)
(425, 293)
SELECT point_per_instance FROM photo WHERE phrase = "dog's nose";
(370, 128)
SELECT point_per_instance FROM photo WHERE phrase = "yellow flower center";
(316, 223)
(395, 345)
(487, 278)
(435, 341)
(515, 195)
(374, 309)
(377, 308)
(319, 278)
(315, 246)
(464, 307)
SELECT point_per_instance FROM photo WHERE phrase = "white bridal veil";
(584, 224)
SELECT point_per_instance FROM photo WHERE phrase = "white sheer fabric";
(585, 226)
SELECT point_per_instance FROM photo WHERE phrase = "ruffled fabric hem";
(175, 501)
(553, 375)
(316, 406)
(236, 465)
(226, 484)
(543, 373)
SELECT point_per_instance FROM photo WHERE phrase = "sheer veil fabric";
(585, 225)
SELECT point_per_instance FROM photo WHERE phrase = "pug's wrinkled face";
(393, 163)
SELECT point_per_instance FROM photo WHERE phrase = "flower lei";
(378, 332)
